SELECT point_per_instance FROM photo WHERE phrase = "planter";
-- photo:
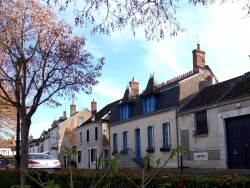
(164, 149)
(150, 150)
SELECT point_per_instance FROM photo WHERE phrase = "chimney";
(64, 114)
(198, 58)
(93, 107)
(72, 109)
(31, 138)
(134, 87)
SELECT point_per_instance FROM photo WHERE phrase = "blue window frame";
(166, 136)
(125, 139)
(149, 104)
(115, 142)
(150, 137)
(124, 111)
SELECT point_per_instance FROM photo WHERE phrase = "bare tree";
(41, 62)
(156, 17)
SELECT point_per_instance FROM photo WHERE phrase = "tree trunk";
(25, 126)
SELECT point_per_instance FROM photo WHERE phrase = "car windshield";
(40, 156)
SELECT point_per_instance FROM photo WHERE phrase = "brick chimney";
(93, 107)
(134, 87)
(198, 58)
(72, 109)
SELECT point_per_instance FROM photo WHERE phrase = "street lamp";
(18, 140)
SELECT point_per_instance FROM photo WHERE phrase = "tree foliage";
(41, 61)
(157, 18)
(7, 119)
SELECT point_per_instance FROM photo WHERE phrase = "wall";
(142, 123)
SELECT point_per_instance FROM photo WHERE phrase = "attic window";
(149, 104)
(124, 111)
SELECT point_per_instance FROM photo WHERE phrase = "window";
(125, 139)
(166, 136)
(93, 155)
(150, 138)
(96, 133)
(80, 137)
(115, 142)
(87, 135)
(124, 112)
(200, 127)
(80, 121)
(79, 156)
(149, 104)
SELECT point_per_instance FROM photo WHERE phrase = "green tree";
(41, 62)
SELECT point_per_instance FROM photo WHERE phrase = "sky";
(222, 30)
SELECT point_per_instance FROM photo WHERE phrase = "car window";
(40, 156)
(3, 162)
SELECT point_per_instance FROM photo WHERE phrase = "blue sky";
(223, 33)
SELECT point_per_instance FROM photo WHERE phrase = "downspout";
(177, 136)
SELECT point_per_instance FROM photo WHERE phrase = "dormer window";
(124, 111)
(149, 103)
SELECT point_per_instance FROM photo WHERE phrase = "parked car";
(3, 164)
(43, 161)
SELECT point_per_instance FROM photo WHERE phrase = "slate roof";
(100, 114)
(151, 86)
(234, 88)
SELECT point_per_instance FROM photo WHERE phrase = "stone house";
(93, 138)
(147, 122)
(215, 126)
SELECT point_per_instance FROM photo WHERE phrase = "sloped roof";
(127, 95)
(151, 86)
(228, 90)
(7, 143)
(104, 111)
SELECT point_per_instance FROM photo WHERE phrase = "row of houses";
(194, 110)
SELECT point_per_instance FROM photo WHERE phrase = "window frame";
(79, 162)
(125, 139)
(93, 155)
(125, 112)
(87, 137)
(200, 123)
(166, 136)
(150, 131)
(115, 149)
(149, 104)
(96, 133)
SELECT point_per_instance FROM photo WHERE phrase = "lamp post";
(18, 139)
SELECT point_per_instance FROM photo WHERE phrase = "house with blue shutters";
(146, 122)
(215, 126)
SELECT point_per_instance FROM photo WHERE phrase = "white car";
(43, 161)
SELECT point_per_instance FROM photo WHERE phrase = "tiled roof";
(7, 143)
(228, 90)
(104, 111)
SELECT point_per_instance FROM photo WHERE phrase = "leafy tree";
(156, 17)
(7, 119)
(41, 62)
